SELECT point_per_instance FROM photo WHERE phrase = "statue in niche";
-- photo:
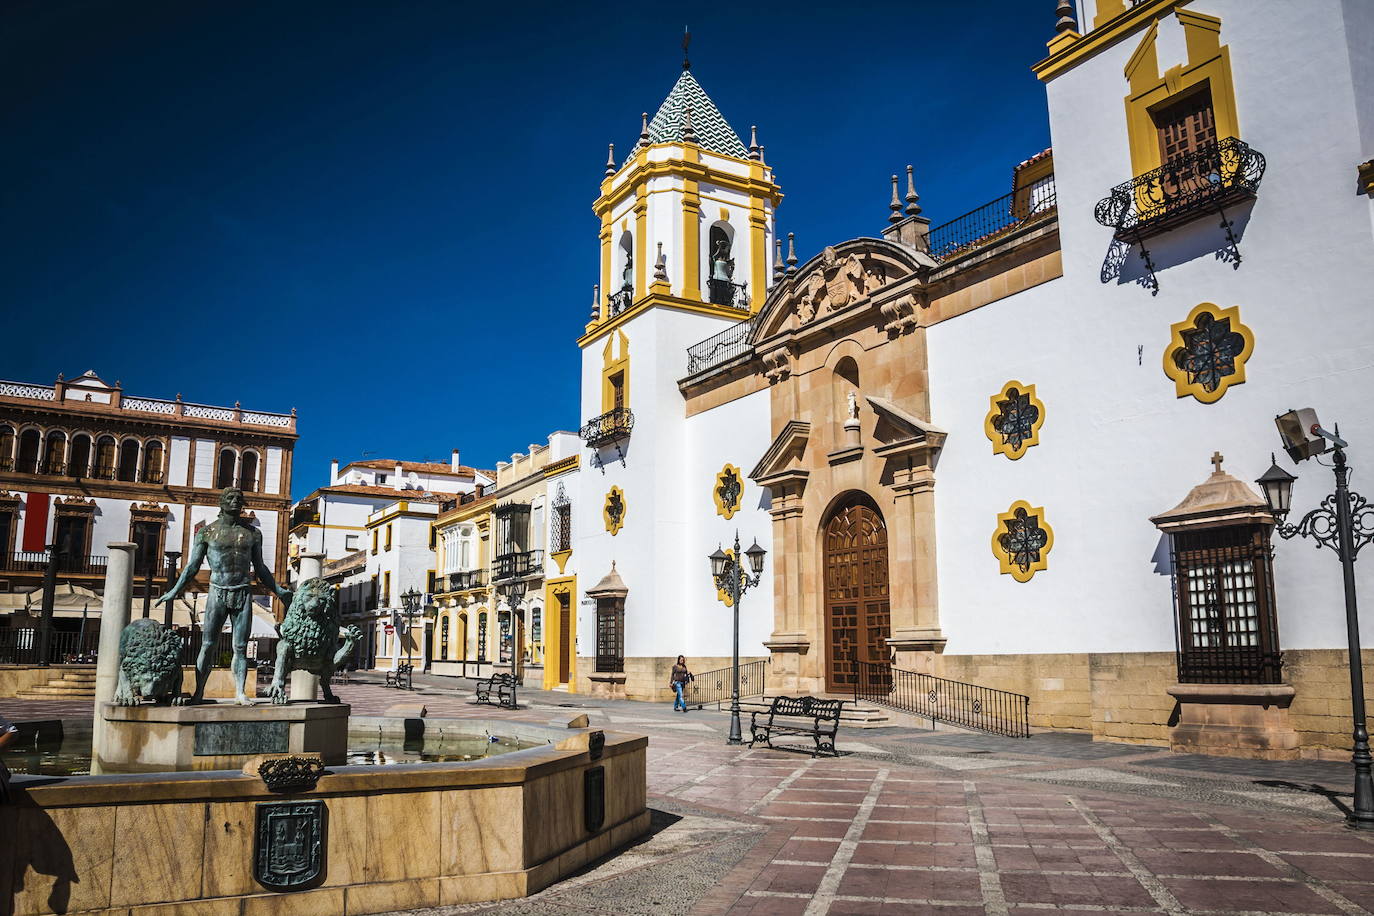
(627, 276)
(853, 406)
(722, 265)
(235, 551)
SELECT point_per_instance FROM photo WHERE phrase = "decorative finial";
(689, 132)
(643, 129)
(610, 161)
(660, 267)
(596, 301)
(913, 206)
(754, 152)
(1217, 459)
(896, 206)
(761, 149)
(238, 406)
(686, 40)
(293, 411)
(178, 395)
(777, 260)
(1065, 21)
(791, 253)
(61, 377)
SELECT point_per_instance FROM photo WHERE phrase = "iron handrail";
(720, 347)
(986, 709)
(990, 222)
(714, 686)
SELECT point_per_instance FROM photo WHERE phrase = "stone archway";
(858, 617)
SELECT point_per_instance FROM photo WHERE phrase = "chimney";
(333, 471)
(396, 478)
(456, 463)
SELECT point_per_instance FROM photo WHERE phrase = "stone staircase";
(73, 684)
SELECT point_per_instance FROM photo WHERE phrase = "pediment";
(899, 431)
(783, 459)
(838, 278)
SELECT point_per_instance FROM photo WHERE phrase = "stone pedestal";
(217, 736)
(302, 685)
(1234, 720)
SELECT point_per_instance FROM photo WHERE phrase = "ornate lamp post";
(172, 557)
(515, 593)
(1345, 523)
(410, 604)
(730, 576)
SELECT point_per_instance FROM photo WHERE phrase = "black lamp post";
(730, 576)
(515, 593)
(410, 603)
(1345, 523)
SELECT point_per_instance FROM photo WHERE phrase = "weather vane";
(686, 40)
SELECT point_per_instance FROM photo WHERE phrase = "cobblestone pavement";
(914, 821)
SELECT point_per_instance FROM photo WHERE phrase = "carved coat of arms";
(289, 844)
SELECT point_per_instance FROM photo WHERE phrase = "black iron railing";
(994, 220)
(610, 426)
(620, 300)
(20, 646)
(463, 581)
(1205, 180)
(725, 292)
(516, 565)
(998, 712)
(220, 656)
(719, 348)
(714, 686)
(37, 561)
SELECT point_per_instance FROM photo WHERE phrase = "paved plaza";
(912, 821)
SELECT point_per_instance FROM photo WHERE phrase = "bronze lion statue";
(149, 665)
(310, 639)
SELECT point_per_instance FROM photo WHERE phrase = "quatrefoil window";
(729, 491)
(1014, 420)
(614, 511)
(1207, 352)
(1022, 541)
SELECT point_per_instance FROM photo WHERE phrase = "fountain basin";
(389, 837)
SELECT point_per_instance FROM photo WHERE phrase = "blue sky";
(380, 213)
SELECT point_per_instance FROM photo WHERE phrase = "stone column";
(916, 634)
(302, 684)
(114, 617)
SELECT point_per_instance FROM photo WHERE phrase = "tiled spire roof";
(712, 130)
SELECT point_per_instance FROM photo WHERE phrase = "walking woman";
(681, 678)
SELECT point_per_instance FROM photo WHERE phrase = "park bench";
(400, 678)
(503, 685)
(798, 716)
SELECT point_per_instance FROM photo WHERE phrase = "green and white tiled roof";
(712, 130)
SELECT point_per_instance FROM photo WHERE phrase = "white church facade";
(1014, 449)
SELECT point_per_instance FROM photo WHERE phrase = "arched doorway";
(858, 617)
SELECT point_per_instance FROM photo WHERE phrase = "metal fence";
(21, 646)
(998, 712)
(718, 348)
(714, 686)
(993, 220)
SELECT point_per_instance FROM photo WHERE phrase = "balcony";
(994, 221)
(720, 348)
(36, 561)
(620, 300)
(611, 426)
(1206, 180)
(461, 581)
(724, 292)
(518, 565)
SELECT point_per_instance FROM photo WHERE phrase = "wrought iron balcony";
(611, 426)
(993, 221)
(518, 565)
(620, 300)
(1206, 180)
(720, 347)
(724, 292)
(462, 581)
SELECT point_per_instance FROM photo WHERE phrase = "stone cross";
(1216, 462)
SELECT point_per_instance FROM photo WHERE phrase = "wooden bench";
(503, 685)
(400, 678)
(799, 716)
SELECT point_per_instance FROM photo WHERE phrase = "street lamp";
(730, 576)
(410, 603)
(1345, 523)
(515, 593)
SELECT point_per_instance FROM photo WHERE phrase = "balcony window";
(55, 454)
(30, 442)
(248, 472)
(128, 459)
(105, 458)
(7, 441)
(227, 469)
(152, 462)
(610, 634)
(79, 464)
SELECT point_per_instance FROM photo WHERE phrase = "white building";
(400, 560)
(960, 444)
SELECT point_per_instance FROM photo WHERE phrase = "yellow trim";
(721, 508)
(1209, 62)
(1065, 55)
(756, 185)
(388, 536)
(614, 525)
(565, 464)
(1004, 559)
(758, 257)
(553, 623)
(612, 365)
(1001, 446)
(561, 558)
(641, 251)
(657, 300)
(1182, 387)
(604, 290)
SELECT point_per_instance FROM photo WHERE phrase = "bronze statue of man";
(235, 551)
